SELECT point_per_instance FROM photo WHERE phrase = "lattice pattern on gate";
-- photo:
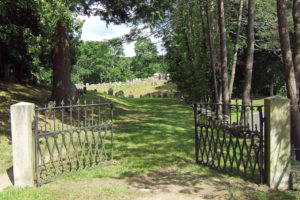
(71, 138)
(231, 142)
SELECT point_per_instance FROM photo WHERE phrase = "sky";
(95, 29)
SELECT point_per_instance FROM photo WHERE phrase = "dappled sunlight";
(155, 132)
(154, 151)
(14, 93)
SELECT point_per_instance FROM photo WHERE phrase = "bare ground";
(168, 184)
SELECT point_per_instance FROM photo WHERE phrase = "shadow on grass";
(151, 133)
(14, 93)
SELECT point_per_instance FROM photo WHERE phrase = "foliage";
(101, 62)
(145, 62)
(26, 34)
(267, 70)
(19, 28)
(184, 35)
(187, 60)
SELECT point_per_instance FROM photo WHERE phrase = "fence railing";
(231, 141)
(70, 138)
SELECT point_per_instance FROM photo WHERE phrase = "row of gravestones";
(120, 94)
(128, 82)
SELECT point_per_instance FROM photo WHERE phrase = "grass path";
(154, 154)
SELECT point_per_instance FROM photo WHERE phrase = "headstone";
(120, 94)
(165, 94)
(147, 95)
(130, 96)
(110, 91)
(177, 94)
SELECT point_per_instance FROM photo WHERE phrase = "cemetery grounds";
(154, 152)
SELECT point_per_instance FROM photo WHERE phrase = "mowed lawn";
(154, 159)
(149, 134)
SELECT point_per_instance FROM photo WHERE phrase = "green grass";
(150, 134)
(11, 94)
(158, 87)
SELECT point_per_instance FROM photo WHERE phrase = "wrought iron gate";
(71, 138)
(233, 143)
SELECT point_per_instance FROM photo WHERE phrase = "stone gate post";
(22, 115)
(278, 142)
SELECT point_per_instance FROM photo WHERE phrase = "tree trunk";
(19, 73)
(191, 28)
(188, 47)
(211, 49)
(289, 70)
(296, 52)
(1, 62)
(249, 60)
(203, 26)
(223, 51)
(220, 100)
(61, 89)
(272, 87)
(236, 48)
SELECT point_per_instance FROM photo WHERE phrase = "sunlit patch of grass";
(69, 190)
(5, 153)
(157, 87)
(256, 102)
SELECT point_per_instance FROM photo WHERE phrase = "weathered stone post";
(22, 115)
(277, 113)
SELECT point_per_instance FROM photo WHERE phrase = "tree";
(223, 53)
(61, 89)
(64, 21)
(112, 11)
(211, 45)
(144, 63)
(289, 70)
(186, 52)
(101, 62)
(19, 28)
(296, 53)
(236, 48)
(249, 60)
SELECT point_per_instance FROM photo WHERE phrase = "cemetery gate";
(71, 138)
(231, 142)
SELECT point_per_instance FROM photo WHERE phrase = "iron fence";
(70, 138)
(231, 138)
